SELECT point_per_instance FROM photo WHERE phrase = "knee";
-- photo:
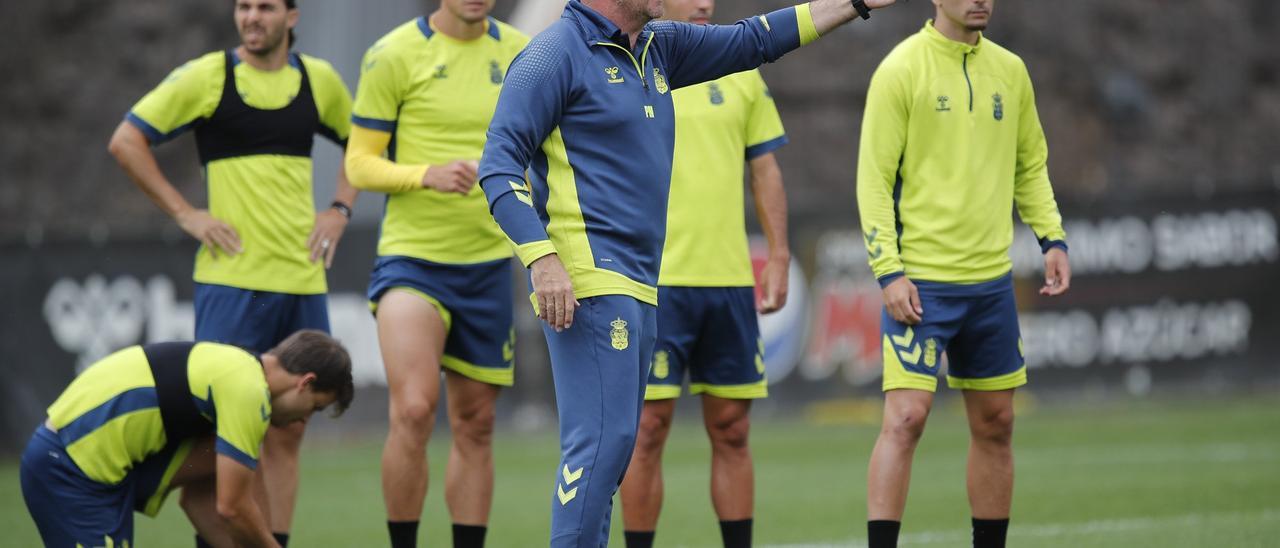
(994, 427)
(729, 434)
(652, 434)
(906, 425)
(473, 426)
(413, 418)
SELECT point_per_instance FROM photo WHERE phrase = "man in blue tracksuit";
(586, 111)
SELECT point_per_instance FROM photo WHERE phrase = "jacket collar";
(938, 40)
(595, 27)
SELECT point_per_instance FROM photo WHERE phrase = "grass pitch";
(1169, 473)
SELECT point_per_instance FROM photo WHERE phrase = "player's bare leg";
(990, 475)
(888, 476)
(468, 488)
(199, 498)
(732, 474)
(280, 451)
(642, 486)
(411, 335)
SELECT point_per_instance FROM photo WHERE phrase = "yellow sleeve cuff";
(367, 169)
(532, 251)
(804, 20)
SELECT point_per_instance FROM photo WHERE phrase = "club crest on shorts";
(618, 335)
(661, 364)
(659, 81)
(930, 353)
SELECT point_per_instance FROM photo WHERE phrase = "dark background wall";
(1138, 98)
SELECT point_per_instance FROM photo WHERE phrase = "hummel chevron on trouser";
(600, 366)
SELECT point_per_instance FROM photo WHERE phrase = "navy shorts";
(976, 325)
(475, 302)
(712, 333)
(255, 320)
(71, 509)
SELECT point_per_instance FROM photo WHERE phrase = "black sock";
(639, 539)
(281, 538)
(883, 533)
(468, 536)
(201, 542)
(990, 533)
(736, 534)
(404, 534)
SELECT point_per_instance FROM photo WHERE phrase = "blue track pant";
(600, 365)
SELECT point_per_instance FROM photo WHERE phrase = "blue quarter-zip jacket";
(590, 121)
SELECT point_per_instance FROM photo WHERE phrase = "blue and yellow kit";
(951, 144)
(950, 141)
(426, 98)
(254, 133)
(707, 322)
(589, 116)
(104, 451)
(592, 121)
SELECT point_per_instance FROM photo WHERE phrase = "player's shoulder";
(1005, 58)
(906, 53)
(507, 34)
(319, 67)
(225, 361)
(400, 40)
(200, 68)
(548, 51)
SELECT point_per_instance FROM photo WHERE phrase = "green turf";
(1168, 473)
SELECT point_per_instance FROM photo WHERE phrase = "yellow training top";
(265, 197)
(718, 125)
(435, 96)
(951, 141)
(109, 416)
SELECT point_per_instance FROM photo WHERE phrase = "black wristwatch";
(342, 208)
(863, 11)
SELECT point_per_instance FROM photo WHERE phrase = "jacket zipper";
(964, 65)
(637, 64)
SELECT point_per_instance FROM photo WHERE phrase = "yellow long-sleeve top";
(425, 99)
(951, 141)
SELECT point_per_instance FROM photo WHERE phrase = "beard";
(270, 42)
(641, 8)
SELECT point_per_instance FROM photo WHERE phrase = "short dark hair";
(314, 351)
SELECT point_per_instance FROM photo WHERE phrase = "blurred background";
(1163, 123)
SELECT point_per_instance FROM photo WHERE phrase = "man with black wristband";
(260, 270)
(577, 171)
(951, 142)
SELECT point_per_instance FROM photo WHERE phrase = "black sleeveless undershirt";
(237, 129)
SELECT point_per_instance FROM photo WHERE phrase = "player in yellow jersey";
(951, 142)
(148, 419)
(260, 271)
(707, 324)
(441, 287)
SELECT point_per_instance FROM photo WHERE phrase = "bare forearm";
(346, 193)
(248, 526)
(771, 204)
(829, 14)
(133, 153)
